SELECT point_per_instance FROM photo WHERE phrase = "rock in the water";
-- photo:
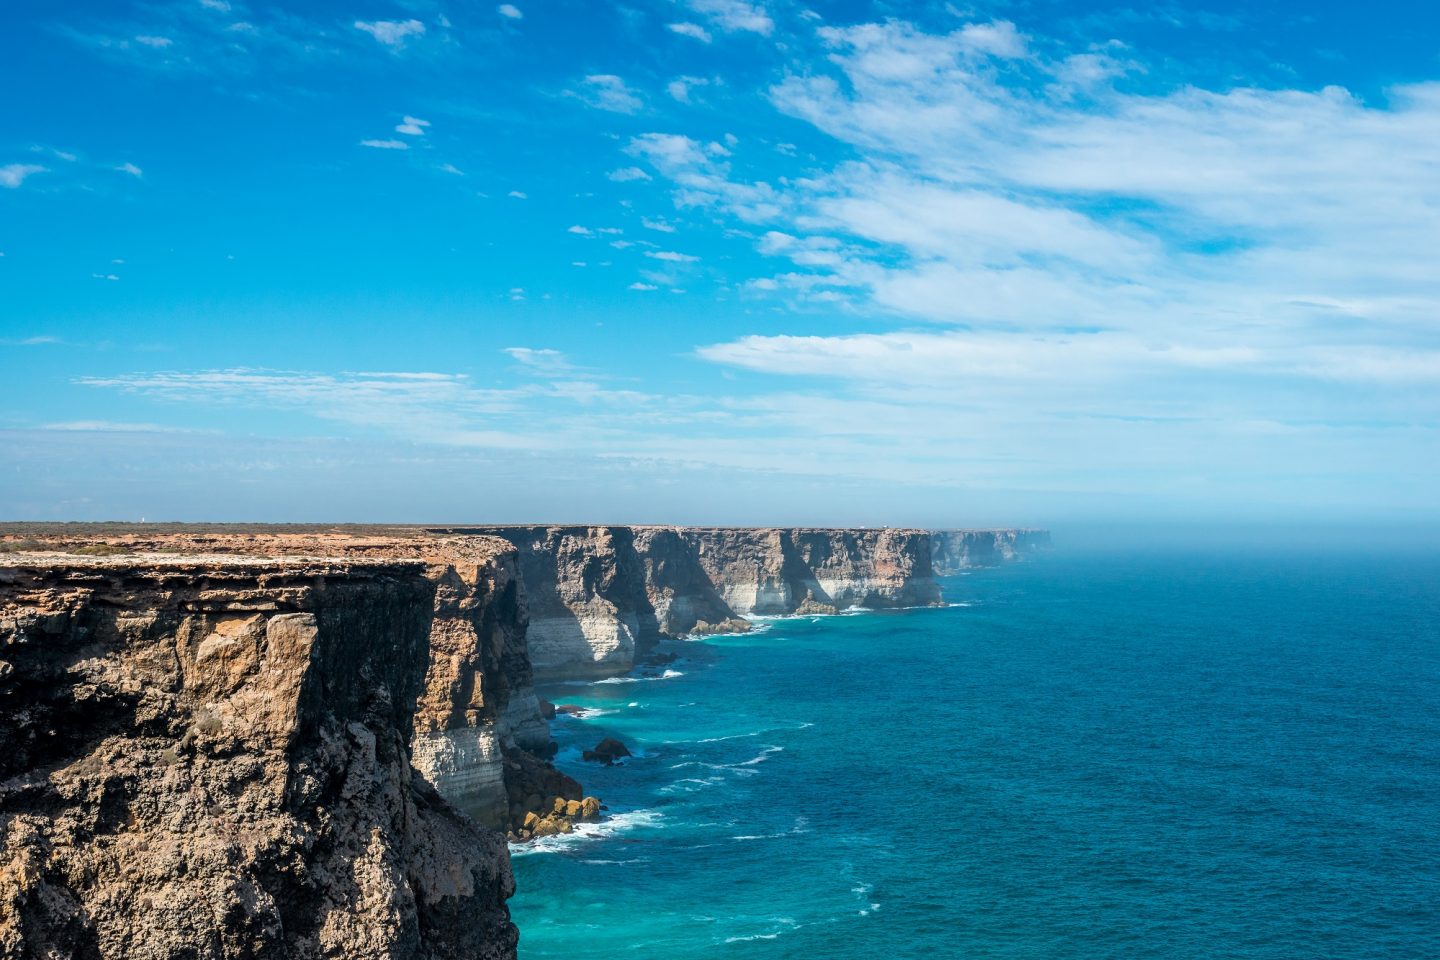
(607, 751)
(729, 625)
(814, 608)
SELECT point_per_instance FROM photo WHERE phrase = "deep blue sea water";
(1221, 754)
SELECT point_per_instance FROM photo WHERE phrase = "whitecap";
(667, 675)
(745, 736)
(765, 754)
(787, 924)
(612, 825)
(605, 863)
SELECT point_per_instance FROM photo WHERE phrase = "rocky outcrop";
(600, 595)
(956, 550)
(209, 756)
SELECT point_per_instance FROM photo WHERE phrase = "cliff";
(208, 756)
(955, 550)
(478, 733)
(601, 594)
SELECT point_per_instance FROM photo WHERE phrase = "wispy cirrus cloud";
(12, 175)
(394, 34)
(692, 30)
(434, 407)
(542, 361)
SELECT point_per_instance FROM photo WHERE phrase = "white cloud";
(518, 195)
(580, 231)
(158, 43)
(103, 276)
(659, 225)
(702, 178)
(628, 174)
(385, 144)
(671, 256)
(679, 88)
(510, 11)
(693, 30)
(131, 169)
(112, 426)
(14, 174)
(637, 285)
(392, 33)
(412, 126)
(221, 6)
(1155, 280)
(546, 362)
(452, 169)
(735, 15)
(608, 92)
(1072, 362)
(998, 38)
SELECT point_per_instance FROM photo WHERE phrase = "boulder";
(607, 751)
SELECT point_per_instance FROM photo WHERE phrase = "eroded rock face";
(209, 757)
(955, 550)
(780, 571)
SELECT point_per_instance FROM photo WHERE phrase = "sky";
(720, 261)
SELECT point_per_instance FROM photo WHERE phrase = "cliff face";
(209, 757)
(954, 550)
(477, 704)
(585, 588)
(779, 571)
(599, 595)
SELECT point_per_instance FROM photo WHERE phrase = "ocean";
(1092, 754)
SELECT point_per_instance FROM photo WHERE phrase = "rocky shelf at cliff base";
(302, 741)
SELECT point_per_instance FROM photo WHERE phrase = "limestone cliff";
(781, 571)
(955, 550)
(477, 708)
(599, 595)
(208, 756)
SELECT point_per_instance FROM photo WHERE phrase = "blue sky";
(719, 261)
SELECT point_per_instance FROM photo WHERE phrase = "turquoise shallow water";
(1101, 756)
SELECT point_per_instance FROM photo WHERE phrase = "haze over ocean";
(1175, 753)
